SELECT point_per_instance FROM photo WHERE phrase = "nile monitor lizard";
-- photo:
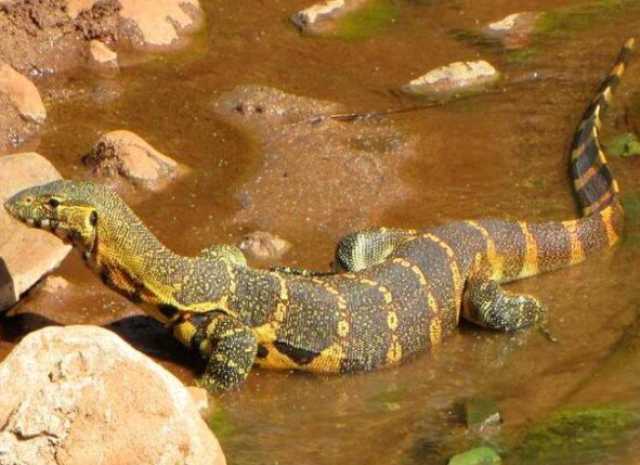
(236, 316)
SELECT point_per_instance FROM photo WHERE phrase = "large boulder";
(80, 395)
(26, 254)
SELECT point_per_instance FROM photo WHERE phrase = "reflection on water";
(501, 154)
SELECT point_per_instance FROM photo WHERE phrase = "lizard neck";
(130, 259)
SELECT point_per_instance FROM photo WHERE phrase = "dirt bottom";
(41, 38)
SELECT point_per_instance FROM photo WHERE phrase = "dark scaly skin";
(236, 316)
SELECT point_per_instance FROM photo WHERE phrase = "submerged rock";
(123, 153)
(317, 173)
(482, 415)
(458, 77)
(26, 254)
(262, 245)
(514, 31)
(81, 395)
(477, 456)
(55, 285)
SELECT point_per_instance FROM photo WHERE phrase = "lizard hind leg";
(230, 348)
(485, 303)
(363, 249)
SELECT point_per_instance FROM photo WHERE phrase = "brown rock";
(262, 245)
(102, 55)
(321, 17)
(158, 22)
(514, 31)
(454, 78)
(128, 155)
(26, 254)
(318, 173)
(80, 395)
(22, 93)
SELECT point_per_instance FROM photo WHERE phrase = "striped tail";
(593, 183)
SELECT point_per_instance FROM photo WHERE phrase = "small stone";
(482, 415)
(128, 155)
(477, 456)
(320, 17)
(264, 246)
(55, 284)
(22, 93)
(515, 30)
(26, 254)
(456, 77)
(102, 55)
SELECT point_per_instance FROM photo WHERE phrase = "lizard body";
(402, 293)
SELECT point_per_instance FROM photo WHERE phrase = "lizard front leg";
(228, 345)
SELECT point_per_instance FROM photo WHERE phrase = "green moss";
(481, 413)
(477, 456)
(522, 56)
(574, 18)
(577, 436)
(623, 145)
(220, 424)
(366, 21)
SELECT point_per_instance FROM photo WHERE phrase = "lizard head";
(67, 208)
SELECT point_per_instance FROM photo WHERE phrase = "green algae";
(478, 456)
(220, 424)
(577, 436)
(623, 145)
(369, 20)
(564, 21)
(522, 56)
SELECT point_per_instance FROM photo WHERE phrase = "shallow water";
(500, 154)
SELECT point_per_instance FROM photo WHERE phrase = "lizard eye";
(28, 200)
(53, 202)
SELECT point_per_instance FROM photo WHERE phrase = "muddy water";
(501, 154)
